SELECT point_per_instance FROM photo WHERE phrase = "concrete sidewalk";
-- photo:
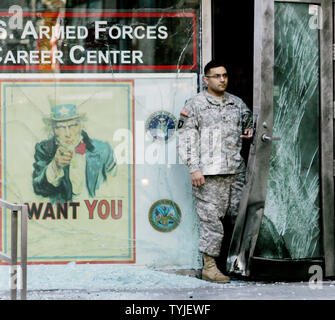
(106, 282)
(236, 290)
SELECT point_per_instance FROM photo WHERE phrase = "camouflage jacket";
(209, 130)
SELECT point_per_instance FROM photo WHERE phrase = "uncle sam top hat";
(64, 112)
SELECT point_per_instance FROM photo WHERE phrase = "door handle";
(266, 138)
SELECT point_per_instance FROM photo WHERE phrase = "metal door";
(287, 209)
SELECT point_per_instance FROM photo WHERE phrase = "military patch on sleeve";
(185, 112)
(180, 124)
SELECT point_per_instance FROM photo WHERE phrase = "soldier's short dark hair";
(214, 64)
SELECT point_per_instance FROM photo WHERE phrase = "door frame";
(206, 34)
(263, 96)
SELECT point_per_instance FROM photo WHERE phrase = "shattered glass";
(291, 224)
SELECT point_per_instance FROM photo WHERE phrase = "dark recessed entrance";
(233, 42)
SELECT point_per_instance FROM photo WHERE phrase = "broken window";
(291, 222)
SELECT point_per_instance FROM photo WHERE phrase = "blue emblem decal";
(164, 215)
(161, 125)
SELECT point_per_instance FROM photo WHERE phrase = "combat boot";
(210, 272)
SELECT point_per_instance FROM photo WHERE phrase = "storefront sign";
(120, 41)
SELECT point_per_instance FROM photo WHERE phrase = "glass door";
(292, 219)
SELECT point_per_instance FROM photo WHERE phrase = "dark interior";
(233, 38)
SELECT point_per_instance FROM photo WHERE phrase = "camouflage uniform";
(209, 140)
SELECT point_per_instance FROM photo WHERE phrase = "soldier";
(211, 127)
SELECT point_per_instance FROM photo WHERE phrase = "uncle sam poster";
(61, 155)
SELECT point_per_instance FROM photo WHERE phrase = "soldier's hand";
(63, 157)
(248, 133)
(197, 178)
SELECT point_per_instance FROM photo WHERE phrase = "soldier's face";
(68, 132)
(217, 81)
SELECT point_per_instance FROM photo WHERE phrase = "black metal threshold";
(266, 269)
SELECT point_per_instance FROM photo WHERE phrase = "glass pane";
(119, 193)
(290, 227)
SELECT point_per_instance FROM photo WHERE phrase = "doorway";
(292, 225)
(233, 43)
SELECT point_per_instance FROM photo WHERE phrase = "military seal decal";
(164, 215)
(161, 125)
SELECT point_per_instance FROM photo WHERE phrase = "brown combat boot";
(210, 272)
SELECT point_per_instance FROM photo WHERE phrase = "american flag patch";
(185, 112)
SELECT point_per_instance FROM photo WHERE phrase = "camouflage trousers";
(218, 197)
